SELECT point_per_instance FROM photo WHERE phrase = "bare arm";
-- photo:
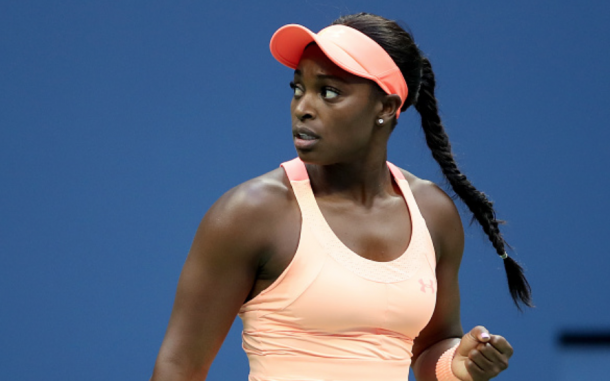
(479, 356)
(216, 279)
(444, 329)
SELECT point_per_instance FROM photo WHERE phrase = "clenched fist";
(481, 356)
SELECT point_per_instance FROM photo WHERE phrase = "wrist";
(443, 365)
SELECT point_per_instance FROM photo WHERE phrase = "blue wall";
(121, 123)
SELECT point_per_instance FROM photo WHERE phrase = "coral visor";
(348, 48)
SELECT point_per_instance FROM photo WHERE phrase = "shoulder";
(245, 224)
(256, 194)
(431, 199)
(253, 201)
(441, 215)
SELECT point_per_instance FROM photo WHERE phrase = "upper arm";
(444, 224)
(216, 279)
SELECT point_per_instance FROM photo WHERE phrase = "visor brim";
(289, 42)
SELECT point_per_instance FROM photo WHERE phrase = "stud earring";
(380, 121)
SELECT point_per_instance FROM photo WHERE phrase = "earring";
(380, 121)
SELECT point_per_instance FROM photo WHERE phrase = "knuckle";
(471, 366)
(503, 365)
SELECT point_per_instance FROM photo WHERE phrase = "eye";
(329, 93)
(296, 89)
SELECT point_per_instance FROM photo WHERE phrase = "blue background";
(122, 122)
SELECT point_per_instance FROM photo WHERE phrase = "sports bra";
(334, 315)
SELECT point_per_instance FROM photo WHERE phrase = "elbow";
(171, 368)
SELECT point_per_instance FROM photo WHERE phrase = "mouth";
(304, 134)
(304, 138)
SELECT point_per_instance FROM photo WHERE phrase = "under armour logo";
(424, 285)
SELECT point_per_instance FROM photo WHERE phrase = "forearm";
(167, 370)
(424, 365)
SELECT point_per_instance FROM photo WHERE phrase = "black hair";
(418, 74)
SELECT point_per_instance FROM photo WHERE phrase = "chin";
(308, 156)
(316, 158)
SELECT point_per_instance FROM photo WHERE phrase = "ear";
(390, 105)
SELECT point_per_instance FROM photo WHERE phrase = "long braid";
(418, 74)
(477, 201)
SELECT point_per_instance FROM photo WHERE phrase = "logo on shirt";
(424, 285)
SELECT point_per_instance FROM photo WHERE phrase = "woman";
(341, 265)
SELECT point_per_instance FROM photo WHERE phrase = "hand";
(481, 356)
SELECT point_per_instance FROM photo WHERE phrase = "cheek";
(352, 131)
(358, 122)
(363, 111)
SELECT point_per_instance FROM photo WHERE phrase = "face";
(333, 111)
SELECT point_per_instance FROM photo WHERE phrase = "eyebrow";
(323, 76)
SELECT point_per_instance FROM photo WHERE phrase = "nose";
(303, 107)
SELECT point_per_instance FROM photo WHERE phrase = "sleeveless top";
(334, 315)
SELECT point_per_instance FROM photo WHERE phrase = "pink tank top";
(334, 315)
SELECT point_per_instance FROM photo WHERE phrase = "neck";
(360, 181)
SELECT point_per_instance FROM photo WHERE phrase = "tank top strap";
(420, 227)
(396, 172)
(295, 170)
(405, 189)
(299, 180)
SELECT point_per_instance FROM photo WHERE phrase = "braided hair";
(419, 76)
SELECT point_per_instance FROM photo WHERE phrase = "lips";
(304, 133)
(304, 138)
